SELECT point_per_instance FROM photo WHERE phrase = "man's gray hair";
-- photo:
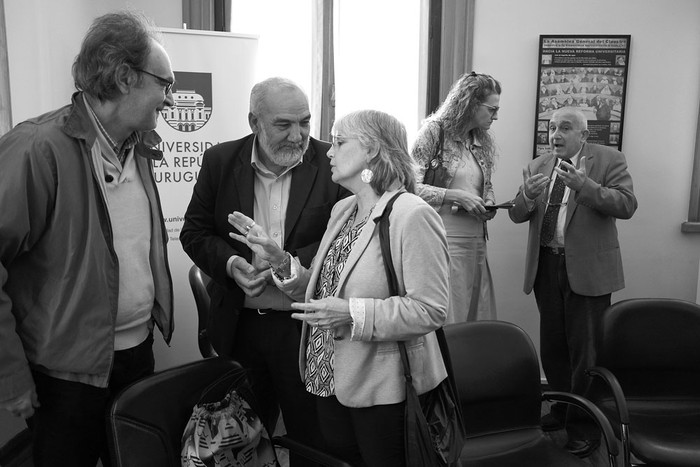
(115, 44)
(579, 117)
(263, 88)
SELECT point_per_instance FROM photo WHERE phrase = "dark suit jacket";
(593, 259)
(225, 184)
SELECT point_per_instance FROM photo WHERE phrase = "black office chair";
(199, 282)
(497, 375)
(17, 452)
(146, 420)
(647, 379)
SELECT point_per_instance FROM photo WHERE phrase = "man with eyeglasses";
(572, 198)
(84, 274)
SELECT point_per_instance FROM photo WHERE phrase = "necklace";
(358, 224)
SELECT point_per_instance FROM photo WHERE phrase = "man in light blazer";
(574, 268)
(281, 178)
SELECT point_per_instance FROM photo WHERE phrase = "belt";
(265, 311)
(554, 250)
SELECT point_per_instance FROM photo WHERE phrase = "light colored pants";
(472, 296)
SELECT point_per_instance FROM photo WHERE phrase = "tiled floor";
(599, 458)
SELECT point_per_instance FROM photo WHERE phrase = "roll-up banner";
(214, 73)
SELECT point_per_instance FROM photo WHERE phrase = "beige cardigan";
(368, 370)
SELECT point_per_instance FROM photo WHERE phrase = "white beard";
(285, 154)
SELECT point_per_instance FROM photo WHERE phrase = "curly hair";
(457, 111)
(384, 133)
(113, 40)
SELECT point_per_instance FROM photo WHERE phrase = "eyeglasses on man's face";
(493, 110)
(163, 81)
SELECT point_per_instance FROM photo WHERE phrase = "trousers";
(69, 428)
(365, 436)
(570, 327)
(268, 346)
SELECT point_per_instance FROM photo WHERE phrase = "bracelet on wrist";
(282, 271)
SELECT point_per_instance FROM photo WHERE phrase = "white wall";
(284, 37)
(383, 77)
(43, 38)
(661, 116)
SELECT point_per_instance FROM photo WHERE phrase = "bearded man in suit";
(572, 199)
(281, 178)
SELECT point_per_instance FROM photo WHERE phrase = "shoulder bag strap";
(385, 245)
(440, 145)
(235, 378)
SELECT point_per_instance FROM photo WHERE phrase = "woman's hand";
(490, 213)
(327, 313)
(471, 203)
(256, 239)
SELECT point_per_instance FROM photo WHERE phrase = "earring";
(366, 175)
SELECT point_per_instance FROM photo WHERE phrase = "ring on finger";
(248, 227)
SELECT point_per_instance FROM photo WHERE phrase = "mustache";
(290, 146)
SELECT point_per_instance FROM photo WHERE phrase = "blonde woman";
(458, 134)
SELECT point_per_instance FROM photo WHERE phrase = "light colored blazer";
(368, 370)
(593, 259)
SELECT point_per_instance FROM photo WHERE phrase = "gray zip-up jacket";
(59, 273)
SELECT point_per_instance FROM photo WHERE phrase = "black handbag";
(434, 429)
(435, 171)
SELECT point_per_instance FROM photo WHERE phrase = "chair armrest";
(205, 347)
(614, 385)
(308, 452)
(594, 412)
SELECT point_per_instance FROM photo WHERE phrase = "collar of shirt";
(119, 152)
(271, 198)
(260, 167)
(471, 142)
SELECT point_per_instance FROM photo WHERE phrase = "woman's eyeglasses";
(492, 109)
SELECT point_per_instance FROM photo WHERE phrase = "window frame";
(692, 225)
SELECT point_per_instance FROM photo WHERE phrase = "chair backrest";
(497, 375)
(147, 419)
(199, 282)
(652, 346)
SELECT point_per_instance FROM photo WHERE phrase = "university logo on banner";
(193, 102)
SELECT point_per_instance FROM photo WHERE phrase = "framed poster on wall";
(588, 72)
